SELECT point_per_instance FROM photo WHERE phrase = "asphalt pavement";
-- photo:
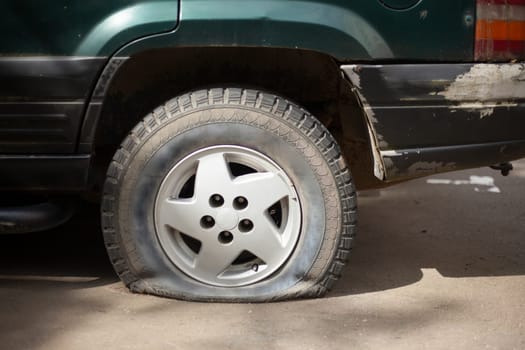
(439, 264)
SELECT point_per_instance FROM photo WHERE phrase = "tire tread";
(268, 103)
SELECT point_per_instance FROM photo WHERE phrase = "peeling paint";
(486, 87)
(379, 166)
(368, 110)
(488, 82)
(485, 112)
(379, 170)
(430, 167)
(483, 108)
(390, 167)
(354, 77)
(430, 118)
(352, 72)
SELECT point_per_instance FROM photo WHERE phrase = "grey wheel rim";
(227, 216)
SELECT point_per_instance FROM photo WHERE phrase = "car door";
(51, 53)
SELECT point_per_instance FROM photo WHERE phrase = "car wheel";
(229, 195)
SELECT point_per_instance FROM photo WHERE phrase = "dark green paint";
(80, 27)
(346, 29)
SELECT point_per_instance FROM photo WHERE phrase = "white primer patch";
(487, 86)
(486, 112)
(486, 182)
(488, 82)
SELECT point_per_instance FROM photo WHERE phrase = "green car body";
(287, 105)
(66, 54)
(347, 30)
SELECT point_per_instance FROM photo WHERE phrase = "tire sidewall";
(213, 126)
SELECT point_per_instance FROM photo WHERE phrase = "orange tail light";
(500, 30)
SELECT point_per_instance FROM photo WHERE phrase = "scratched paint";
(352, 72)
(484, 109)
(430, 167)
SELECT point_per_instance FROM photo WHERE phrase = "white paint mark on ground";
(481, 183)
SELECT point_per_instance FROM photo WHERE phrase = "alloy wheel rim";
(227, 216)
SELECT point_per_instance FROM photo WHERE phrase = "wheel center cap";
(227, 219)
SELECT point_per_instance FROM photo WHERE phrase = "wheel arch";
(132, 87)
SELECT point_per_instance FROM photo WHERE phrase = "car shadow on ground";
(401, 232)
(73, 253)
(460, 232)
(48, 280)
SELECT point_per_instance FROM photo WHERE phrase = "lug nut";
(240, 203)
(225, 237)
(245, 225)
(216, 200)
(207, 222)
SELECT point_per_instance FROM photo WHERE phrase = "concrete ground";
(439, 264)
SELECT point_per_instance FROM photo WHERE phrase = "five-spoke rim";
(227, 216)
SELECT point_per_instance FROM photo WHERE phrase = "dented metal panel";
(431, 118)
